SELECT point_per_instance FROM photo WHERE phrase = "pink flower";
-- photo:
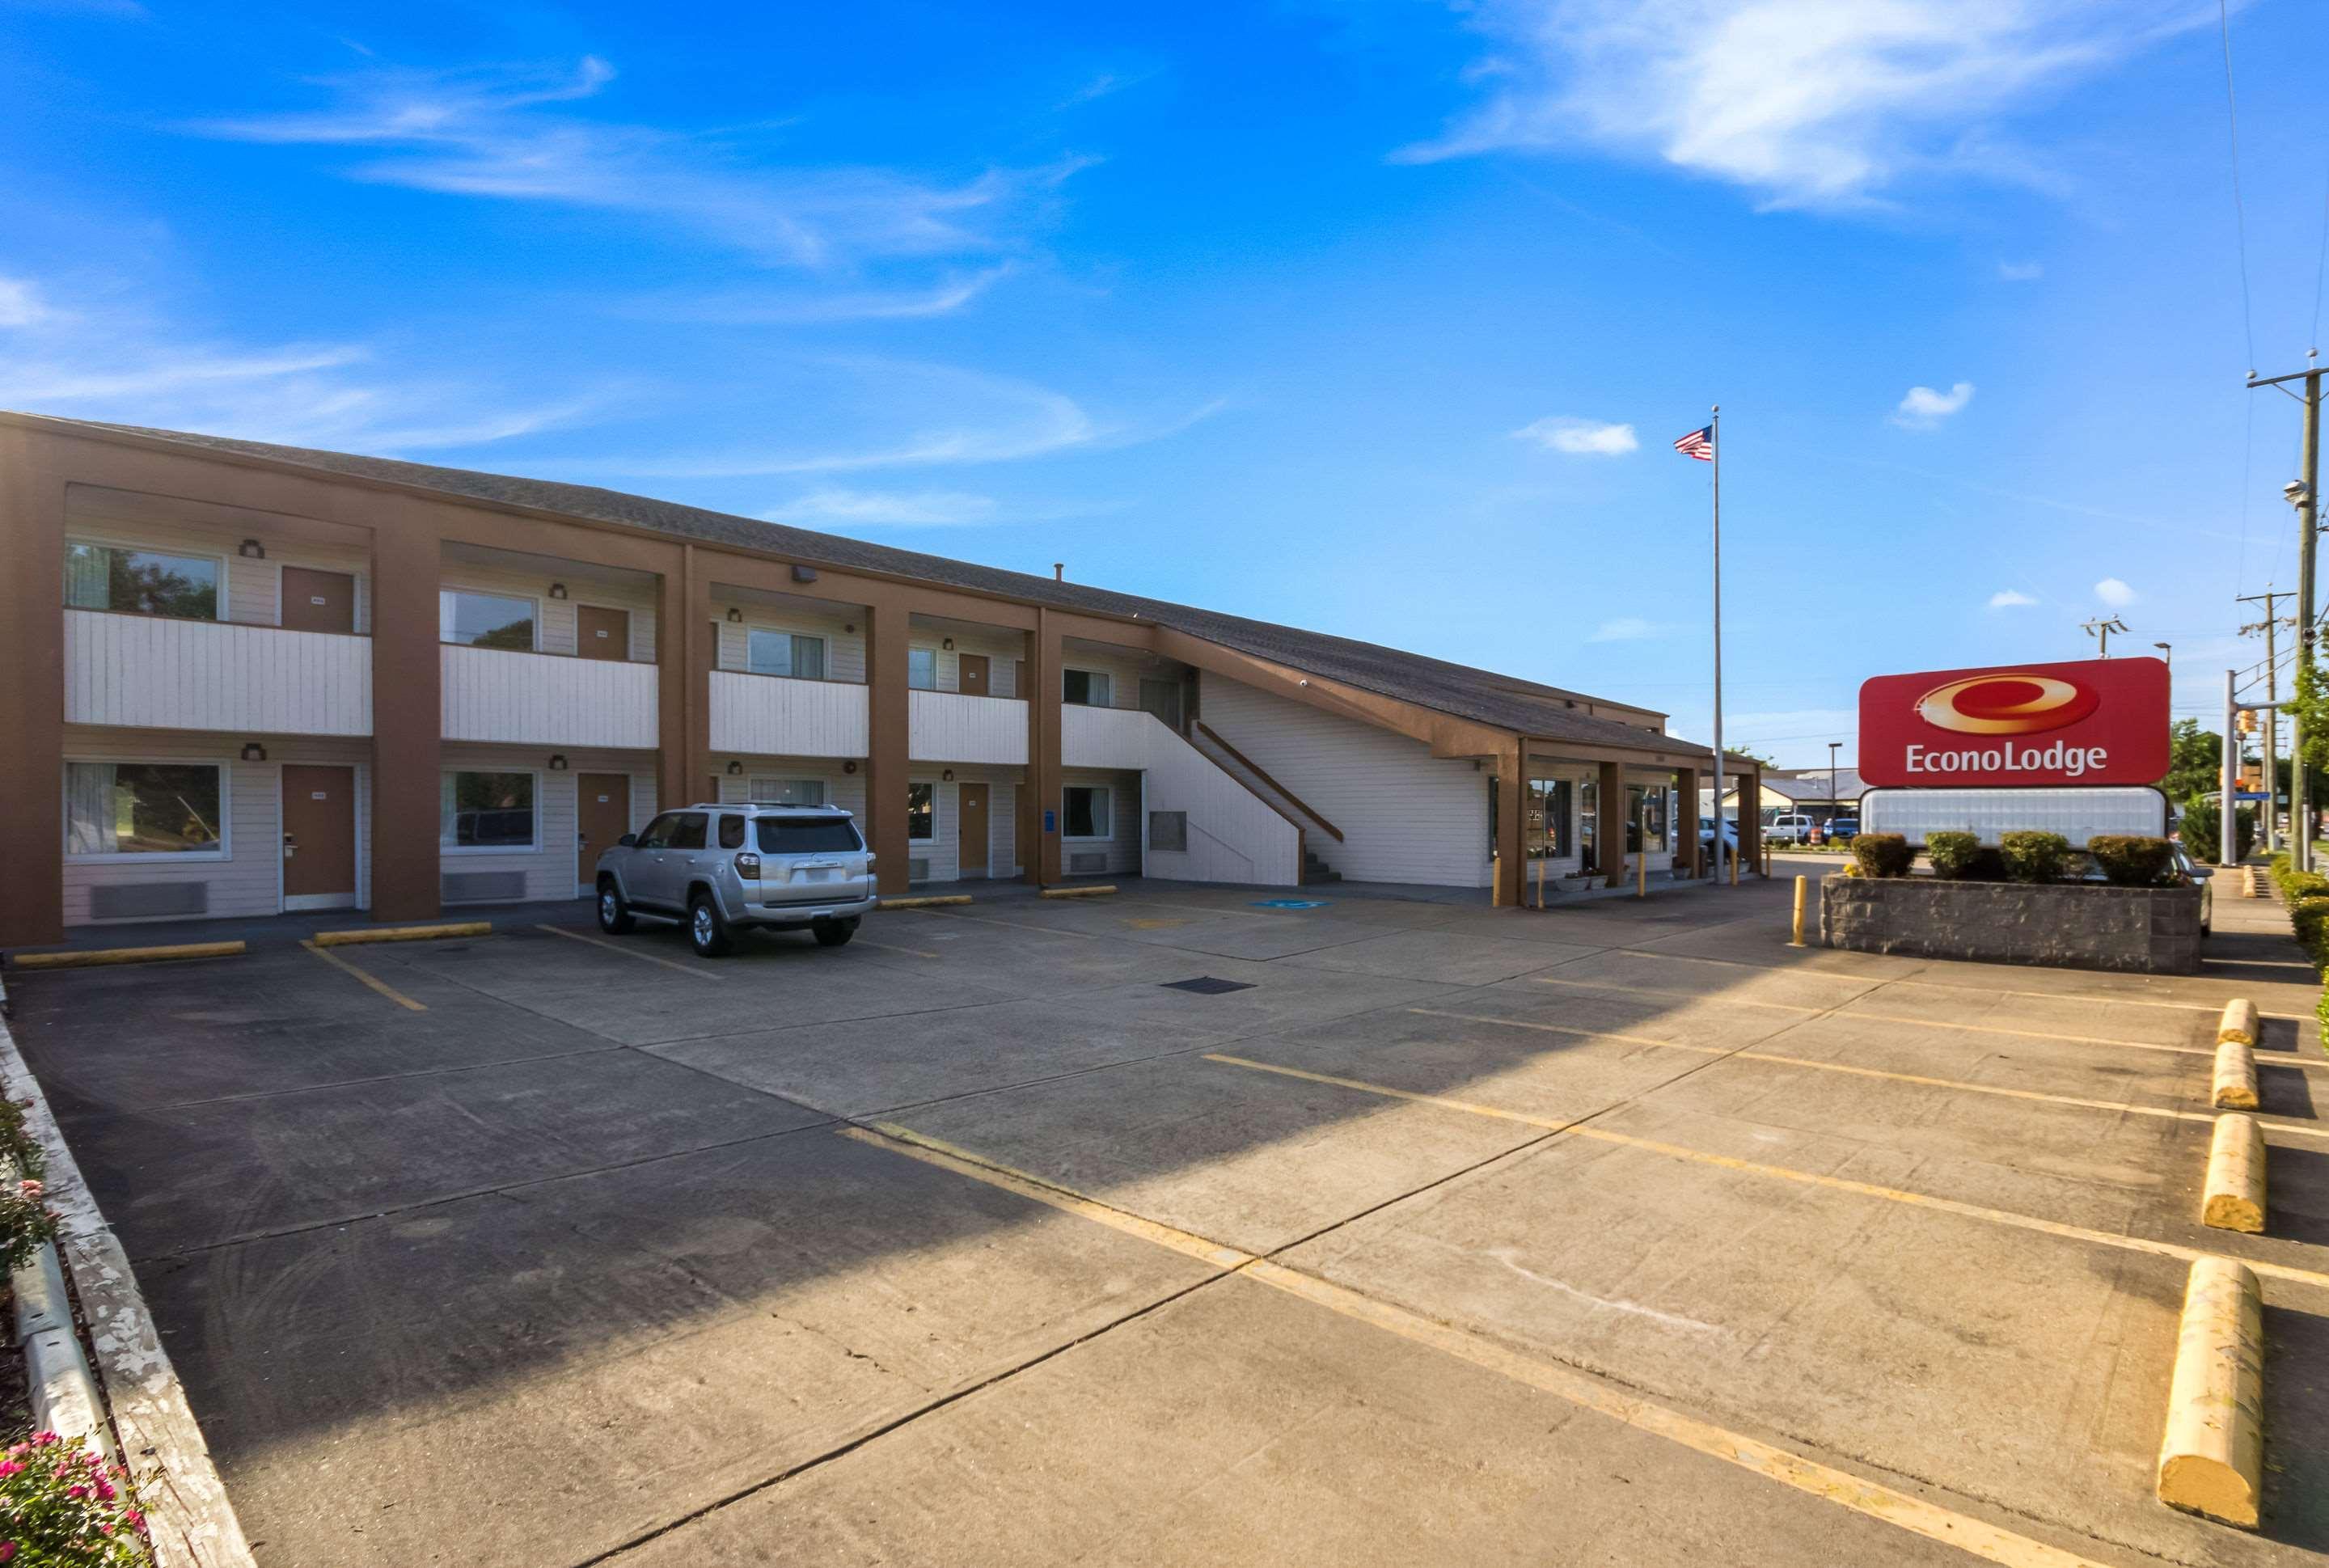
(43, 1438)
(76, 1490)
(137, 1522)
(104, 1491)
(32, 1190)
(7, 1551)
(9, 1468)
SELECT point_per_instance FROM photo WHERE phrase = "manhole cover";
(1206, 986)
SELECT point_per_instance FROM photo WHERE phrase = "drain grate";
(1206, 986)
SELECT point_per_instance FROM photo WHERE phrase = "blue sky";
(1376, 319)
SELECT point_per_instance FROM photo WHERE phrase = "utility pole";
(2269, 627)
(2304, 494)
(2102, 628)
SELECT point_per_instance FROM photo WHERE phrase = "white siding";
(254, 588)
(1122, 846)
(552, 868)
(147, 672)
(944, 727)
(845, 650)
(1003, 650)
(499, 696)
(555, 621)
(1406, 815)
(776, 716)
(1234, 834)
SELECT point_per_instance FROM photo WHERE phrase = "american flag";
(1699, 444)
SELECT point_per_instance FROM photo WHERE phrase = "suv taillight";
(748, 865)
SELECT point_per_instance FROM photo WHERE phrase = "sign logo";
(2018, 702)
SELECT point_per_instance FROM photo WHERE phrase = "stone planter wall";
(2070, 925)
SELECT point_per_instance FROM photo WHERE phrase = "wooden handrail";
(1250, 766)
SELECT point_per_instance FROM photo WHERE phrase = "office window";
(921, 811)
(144, 808)
(784, 653)
(1549, 826)
(141, 582)
(485, 811)
(788, 792)
(922, 668)
(1084, 811)
(484, 619)
(1085, 688)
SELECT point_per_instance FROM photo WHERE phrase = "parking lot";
(1619, 1233)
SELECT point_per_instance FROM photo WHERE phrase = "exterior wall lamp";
(558, 591)
(558, 762)
(735, 614)
(948, 645)
(948, 775)
(252, 751)
(850, 767)
(735, 770)
(253, 550)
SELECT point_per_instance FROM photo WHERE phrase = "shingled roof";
(1502, 702)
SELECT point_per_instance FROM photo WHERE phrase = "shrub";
(1951, 853)
(61, 1503)
(2201, 831)
(2310, 919)
(2034, 856)
(2131, 861)
(1882, 854)
(2297, 884)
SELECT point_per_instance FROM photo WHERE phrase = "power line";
(2239, 208)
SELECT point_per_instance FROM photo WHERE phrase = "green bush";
(2310, 919)
(2129, 860)
(1951, 853)
(1882, 854)
(2201, 831)
(2034, 856)
(2297, 884)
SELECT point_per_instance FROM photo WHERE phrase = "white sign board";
(2077, 814)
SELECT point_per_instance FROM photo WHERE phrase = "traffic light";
(2244, 720)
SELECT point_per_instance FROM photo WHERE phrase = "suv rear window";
(809, 836)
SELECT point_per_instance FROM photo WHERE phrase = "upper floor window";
(141, 582)
(922, 668)
(484, 619)
(784, 653)
(1086, 688)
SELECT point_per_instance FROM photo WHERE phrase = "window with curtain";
(141, 582)
(785, 652)
(1085, 688)
(144, 809)
(485, 811)
(484, 619)
(788, 792)
(922, 668)
(1084, 811)
(921, 811)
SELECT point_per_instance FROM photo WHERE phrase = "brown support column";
(1686, 821)
(1510, 871)
(1751, 821)
(33, 695)
(1039, 852)
(683, 720)
(408, 718)
(1610, 834)
(886, 736)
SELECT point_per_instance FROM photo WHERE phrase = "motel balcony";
(786, 716)
(150, 672)
(502, 695)
(954, 727)
(1093, 737)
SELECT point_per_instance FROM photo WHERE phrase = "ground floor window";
(788, 792)
(144, 809)
(1548, 826)
(1084, 810)
(485, 811)
(921, 811)
(1645, 804)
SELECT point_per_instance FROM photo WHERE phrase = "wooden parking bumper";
(2233, 1085)
(1101, 891)
(403, 933)
(928, 900)
(92, 957)
(2211, 1456)
(2241, 1024)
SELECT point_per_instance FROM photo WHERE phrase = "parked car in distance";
(1789, 828)
(2204, 878)
(1842, 829)
(1706, 836)
(719, 869)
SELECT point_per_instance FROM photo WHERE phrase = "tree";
(2196, 762)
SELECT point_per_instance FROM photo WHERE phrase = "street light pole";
(2304, 494)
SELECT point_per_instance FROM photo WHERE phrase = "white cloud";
(1626, 628)
(2009, 598)
(1560, 434)
(2020, 271)
(750, 308)
(835, 508)
(2115, 593)
(1804, 102)
(20, 303)
(1923, 408)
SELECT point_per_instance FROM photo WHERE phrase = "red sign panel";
(2092, 721)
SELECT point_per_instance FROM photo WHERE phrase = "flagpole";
(1716, 428)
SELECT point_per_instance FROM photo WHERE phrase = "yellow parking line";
(382, 986)
(1868, 1499)
(1938, 985)
(2116, 1107)
(630, 952)
(1782, 1173)
(1846, 1012)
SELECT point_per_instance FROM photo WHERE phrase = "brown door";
(970, 811)
(971, 676)
(319, 600)
(602, 816)
(319, 834)
(602, 634)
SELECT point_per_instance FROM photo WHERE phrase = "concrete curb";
(65, 1400)
(1101, 892)
(2234, 1196)
(2234, 1085)
(360, 934)
(929, 901)
(91, 957)
(2241, 1024)
(2211, 1456)
(188, 1517)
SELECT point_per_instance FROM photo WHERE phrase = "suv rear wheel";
(706, 929)
(834, 933)
(614, 915)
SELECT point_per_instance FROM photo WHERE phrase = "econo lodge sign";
(2094, 721)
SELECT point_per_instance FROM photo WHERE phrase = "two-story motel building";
(246, 679)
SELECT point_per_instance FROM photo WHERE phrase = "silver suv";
(716, 869)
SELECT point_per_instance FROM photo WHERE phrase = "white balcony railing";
(148, 672)
(949, 727)
(1103, 737)
(547, 699)
(776, 716)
